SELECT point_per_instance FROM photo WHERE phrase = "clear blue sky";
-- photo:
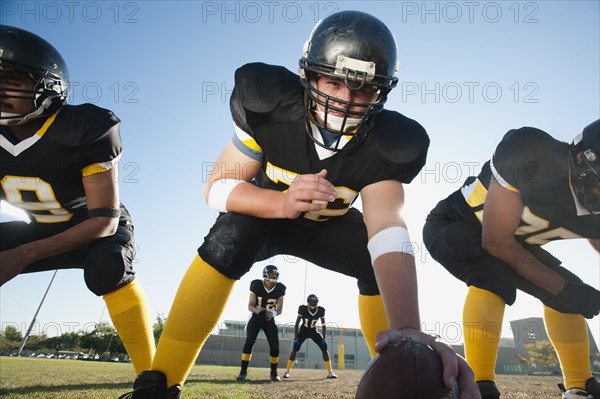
(469, 72)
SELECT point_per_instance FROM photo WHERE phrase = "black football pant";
(313, 334)
(236, 242)
(456, 245)
(106, 262)
(255, 324)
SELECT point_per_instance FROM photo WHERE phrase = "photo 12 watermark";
(253, 12)
(93, 12)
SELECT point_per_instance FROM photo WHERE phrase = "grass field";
(30, 378)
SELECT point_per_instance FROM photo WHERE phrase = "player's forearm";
(258, 202)
(70, 239)
(397, 280)
(524, 263)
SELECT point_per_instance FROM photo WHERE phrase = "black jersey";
(310, 318)
(532, 163)
(266, 298)
(268, 109)
(43, 173)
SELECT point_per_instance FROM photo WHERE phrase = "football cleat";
(241, 377)
(275, 377)
(152, 384)
(286, 374)
(331, 374)
(591, 391)
(488, 389)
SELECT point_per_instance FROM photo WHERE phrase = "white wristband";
(219, 193)
(392, 239)
(274, 313)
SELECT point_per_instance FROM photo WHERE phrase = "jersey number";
(13, 186)
(312, 323)
(346, 195)
(535, 223)
(270, 303)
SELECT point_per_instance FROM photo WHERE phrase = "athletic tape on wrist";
(392, 239)
(274, 313)
(219, 193)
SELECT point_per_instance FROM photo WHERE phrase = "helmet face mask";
(585, 157)
(23, 52)
(271, 273)
(358, 51)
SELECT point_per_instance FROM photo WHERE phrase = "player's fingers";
(449, 360)
(466, 381)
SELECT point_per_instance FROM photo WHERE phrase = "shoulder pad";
(400, 139)
(523, 154)
(260, 87)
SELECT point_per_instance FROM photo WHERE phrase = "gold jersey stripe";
(247, 140)
(47, 124)
(475, 194)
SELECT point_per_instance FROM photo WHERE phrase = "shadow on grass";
(59, 388)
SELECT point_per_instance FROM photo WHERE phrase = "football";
(408, 369)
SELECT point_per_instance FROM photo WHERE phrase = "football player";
(304, 148)
(265, 303)
(58, 168)
(306, 327)
(489, 234)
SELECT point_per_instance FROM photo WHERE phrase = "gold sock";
(290, 364)
(568, 334)
(198, 305)
(328, 366)
(483, 313)
(129, 314)
(372, 319)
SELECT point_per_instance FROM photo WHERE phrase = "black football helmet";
(25, 51)
(361, 51)
(585, 154)
(271, 273)
(312, 300)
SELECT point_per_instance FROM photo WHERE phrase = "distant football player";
(304, 148)
(489, 234)
(265, 303)
(306, 327)
(58, 168)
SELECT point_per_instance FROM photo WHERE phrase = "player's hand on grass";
(456, 368)
(580, 298)
(304, 190)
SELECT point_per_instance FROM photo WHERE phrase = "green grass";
(31, 378)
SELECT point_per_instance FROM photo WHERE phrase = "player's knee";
(504, 290)
(105, 271)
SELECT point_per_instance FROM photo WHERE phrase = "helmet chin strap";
(14, 120)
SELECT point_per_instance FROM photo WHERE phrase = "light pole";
(35, 316)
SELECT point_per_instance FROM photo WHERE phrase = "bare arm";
(395, 272)
(501, 215)
(324, 328)
(297, 326)
(248, 199)
(397, 280)
(251, 307)
(101, 191)
(279, 305)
